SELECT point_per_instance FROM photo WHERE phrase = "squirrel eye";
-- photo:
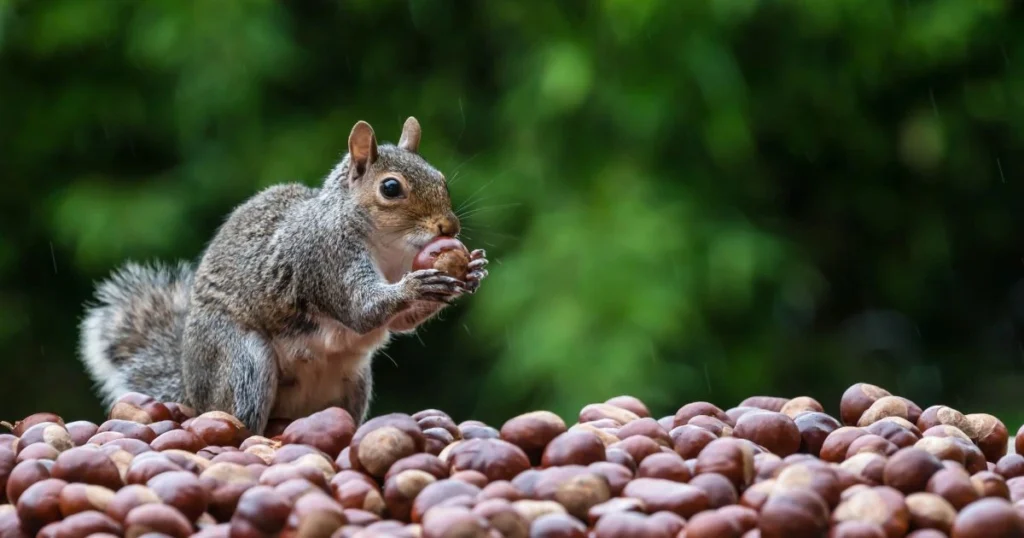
(391, 188)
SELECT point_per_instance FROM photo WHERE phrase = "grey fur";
(291, 299)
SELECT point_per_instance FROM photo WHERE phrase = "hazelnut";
(909, 469)
(131, 430)
(428, 463)
(55, 435)
(182, 490)
(502, 517)
(638, 447)
(454, 521)
(557, 526)
(446, 254)
(573, 448)
(402, 488)
(631, 404)
(39, 505)
(440, 491)
(867, 465)
(814, 427)
(24, 475)
(990, 484)
(886, 406)
(314, 514)
(178, 439)
(774, 431)
(871, 443)
(689, 440)
(217, 428)
(793, 514)
(730, 458)
(930, 511)
(857, 399)
(361, 494)
(714, 524)
(329, 430)
(988, 518)
(990, 434)
(383, 440)
(801, 404)
(616, 475)
(648, 427)
(80, 431)
(1009, 466)
(225, 483)
(837, 443)
(857, 529)
(156, 518)
(953, 485)
(88, 465)
(880, 505)
(667, 465)
(139, 408)
(495, 458)
(711, 424)
(658, 494)
(719, 490)
(75, 498)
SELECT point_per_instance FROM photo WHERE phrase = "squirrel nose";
(448, 227)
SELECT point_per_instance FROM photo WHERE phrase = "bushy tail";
(131, 332)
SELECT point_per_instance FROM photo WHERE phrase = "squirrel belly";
(131, 332)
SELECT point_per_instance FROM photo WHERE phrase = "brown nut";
(768, 403)
(225, 483)
(814, 427)
(616, 475)
(990, 434)
(88, 465)
(730, 458)
(180, 413)
(576, 491)
(329, 430)
(494, 458)
(383, 440)
(801, 404)
(714, 524)
(139, 408)
(217, 428)
(283, 472)
(630, 403)
(573, 448)
(361, 494)
(857, 529)
(446, 254)
(955, 486)
(75, 498)
(793, 514)
(857, 399)
(452, 521)
(990, 484)
(880, 505)
(502, 517)
(477, 431)
(667, 465)
(435, 441)
(937, 415)
(127, 498)
(557, 526)
(1009, 466)
(142, 468)
(131, 430)
(20, 427)
(867, 465)
(24, 475)
(615, 504)
(402, 488)
(440, 421)
(719, 490)
(162, 427)
(37, 451)
(428, 463)
(658, 494)
(638, 447)
(476, 478)
(55, 435)
(500, 490)
(820, 479)
(774, 431)
(314, 514)
(80, 431)
(943, 448)
(621, 457)
(886, 406)
(871, 443)
(690, 410)
(837, 444)
(182, 490)
(909, 469)
(648, 427)
(712, 424)
(600, 411)
(988, 518)
(689, 440)
(440, 491)
(930, 511)
(39, 505)
(156, 518)
(899, 432)
(178, 439)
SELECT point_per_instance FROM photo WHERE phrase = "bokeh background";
(682, 199)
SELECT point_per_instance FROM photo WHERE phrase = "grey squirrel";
(296, 292)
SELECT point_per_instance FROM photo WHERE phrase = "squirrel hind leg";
(130, 334)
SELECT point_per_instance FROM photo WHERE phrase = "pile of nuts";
(767, 468)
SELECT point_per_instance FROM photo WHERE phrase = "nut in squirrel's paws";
(446, 254)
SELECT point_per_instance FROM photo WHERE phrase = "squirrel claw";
(478, 254)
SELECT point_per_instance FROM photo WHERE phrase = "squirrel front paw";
(477, 270)
(433, 285)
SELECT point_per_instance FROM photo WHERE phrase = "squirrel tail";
(131, 332)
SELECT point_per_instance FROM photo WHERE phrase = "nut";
(987, 518)
(768, 403)
(714, 524)
(162, 427)
(182, 490)
(930, 511)
(857, 399)
(613, 505)
(75, 498)
(451, 521)
(440, 491)
(23, 425)
(955, 486)
(820, 479)
(943, 415)
(837, 443)
(814, 427)
(500, 490)
(217, 428)
(990, 484)
(867, 465)
(573, 448)
(690, 410)
(178, 439)
(630, 403)
(1009, 466)
(446, 254)
(225, 483)
(648, 427)
(39, 505)
(793, 514)
(435, 439)
(858, 529)
(638, 447)
(429, 463)
(943, 448)
(475, 430)
(871, 443)
(495, 458)
(577, 492)
(139, 408)
(37, 451)
(476, 478)
(712, 424)
(361, 494)
(53, 434)
(719, 490)
(774, 431)
(383, 440)
(402, 488)
(80, 431)
(909, 469)
(558, 526)
(24, 475)
(880, 505)
(730, 458)
(621, 457)
(131, 430)
(689, 440)
(142, 468)
(667, 465)
(886, 406)
(502, 517)
(895, 430)
(156, 518)
(801, 404)
(658, 494)
(329, 430)
(990, 434)
(88, 465)
(314, 514)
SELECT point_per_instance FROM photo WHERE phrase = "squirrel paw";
(477, 271)
(433, 285)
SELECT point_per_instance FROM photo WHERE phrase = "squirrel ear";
(410, 140)
(362, 148)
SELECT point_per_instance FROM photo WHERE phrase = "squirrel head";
(405, 198)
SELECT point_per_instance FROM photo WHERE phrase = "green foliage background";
(682, 199)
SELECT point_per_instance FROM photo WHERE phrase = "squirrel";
(289, 302)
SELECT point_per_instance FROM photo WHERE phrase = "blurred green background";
(682, 199)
